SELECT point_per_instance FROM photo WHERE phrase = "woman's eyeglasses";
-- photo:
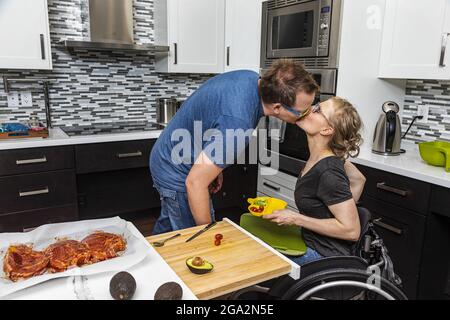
(318, 109)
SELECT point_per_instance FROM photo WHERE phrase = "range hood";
(111, 28)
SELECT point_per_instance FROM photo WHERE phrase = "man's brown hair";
(284, 79)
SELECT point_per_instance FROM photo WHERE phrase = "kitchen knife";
(209, 226)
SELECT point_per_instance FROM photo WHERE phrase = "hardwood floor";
(145, 220)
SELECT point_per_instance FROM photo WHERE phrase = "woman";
(329, 217)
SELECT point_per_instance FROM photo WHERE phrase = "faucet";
(45, 86)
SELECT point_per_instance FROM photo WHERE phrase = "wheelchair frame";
(370, 262)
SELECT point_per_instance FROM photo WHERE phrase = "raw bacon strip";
(67, 253)
(104, 246)
(22, 262)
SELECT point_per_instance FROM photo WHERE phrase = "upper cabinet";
(194, 30)
(242, 34)
(416, 40)
(207, 36)
(24, 35)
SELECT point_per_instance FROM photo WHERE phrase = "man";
(230, 101)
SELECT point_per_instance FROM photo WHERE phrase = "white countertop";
(409, 164)
(59, 138)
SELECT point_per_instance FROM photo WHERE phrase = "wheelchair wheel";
(344, 284)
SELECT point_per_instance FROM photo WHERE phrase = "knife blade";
(209, 226)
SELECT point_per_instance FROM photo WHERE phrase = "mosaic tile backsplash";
(436, 94)
(98, 86)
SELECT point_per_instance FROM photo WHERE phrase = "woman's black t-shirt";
(325, 184)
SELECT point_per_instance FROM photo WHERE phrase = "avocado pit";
(199, 265)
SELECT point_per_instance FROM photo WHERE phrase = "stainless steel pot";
(165, 109)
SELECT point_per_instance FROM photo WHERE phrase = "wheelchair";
(366, 275)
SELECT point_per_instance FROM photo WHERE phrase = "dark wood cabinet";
(112, 193)
(402, 230)
(22, 161)
(114, 178)
(103, 157)
(399, 206)
(239, 184)
(37, 191)
(38, 186)
(47, 185)
(397, 190)
(435, 268)
(27, 220)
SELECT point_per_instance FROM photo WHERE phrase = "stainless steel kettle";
(388, 132)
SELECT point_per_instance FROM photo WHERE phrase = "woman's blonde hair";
(347, 124)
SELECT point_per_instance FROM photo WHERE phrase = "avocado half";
(197, 268)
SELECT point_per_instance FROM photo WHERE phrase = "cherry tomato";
(219, 236)
(217, 242)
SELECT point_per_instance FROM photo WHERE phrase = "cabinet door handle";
(29, 229)
(383, 186)
(31, 161)
(175, 48)
(381, 224)
(443, 50)
(34, 192)
(228, 56)
(129, 155)
(42, 46)
(271, 186)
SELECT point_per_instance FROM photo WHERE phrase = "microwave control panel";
(324, 30)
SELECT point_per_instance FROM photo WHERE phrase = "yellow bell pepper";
(265, 205)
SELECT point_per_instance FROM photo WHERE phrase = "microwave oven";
(306, 31)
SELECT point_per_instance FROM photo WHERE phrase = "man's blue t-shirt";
(229, 101)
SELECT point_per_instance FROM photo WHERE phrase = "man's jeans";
(175, 211)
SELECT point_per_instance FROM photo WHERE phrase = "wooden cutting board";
(239, 262)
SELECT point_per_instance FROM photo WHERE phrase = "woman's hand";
(283, 217)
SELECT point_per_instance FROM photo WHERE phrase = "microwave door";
(293, 31)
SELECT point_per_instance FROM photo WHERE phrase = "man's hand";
(216, 185)
(283, 217)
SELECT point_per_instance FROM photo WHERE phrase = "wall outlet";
(26, 99)
(423, 110)
(13, 100)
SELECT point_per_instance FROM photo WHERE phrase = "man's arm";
(357, 180)
(202, 174)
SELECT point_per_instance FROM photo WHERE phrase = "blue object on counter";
(14, 127)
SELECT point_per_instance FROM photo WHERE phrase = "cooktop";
(110, 128)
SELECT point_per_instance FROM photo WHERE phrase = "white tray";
(43, 236)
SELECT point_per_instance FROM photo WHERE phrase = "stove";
(111, 128)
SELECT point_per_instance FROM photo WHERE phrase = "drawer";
(113, 156)
(35, 160)
(440, 201)
(281, 186)
(401, 191)
(27, 220)
(37, 191)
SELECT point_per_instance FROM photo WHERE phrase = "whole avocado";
(122, 286)
(169, 291)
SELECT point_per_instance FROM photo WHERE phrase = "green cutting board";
(285, 239)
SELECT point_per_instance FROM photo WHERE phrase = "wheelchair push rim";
(343, 278)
